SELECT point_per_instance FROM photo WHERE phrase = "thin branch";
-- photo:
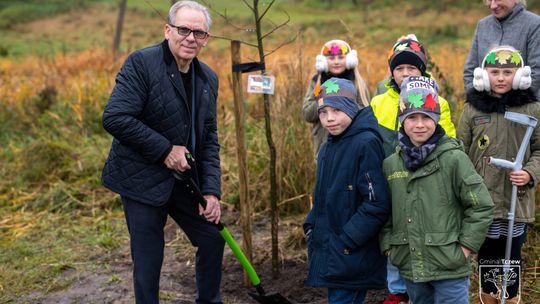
(345, 25)
(266, 10)
(278, 26)
(155, 10)
(230, 39)
(224, 16)
(271, 22)
(282, 45)
(247, 4)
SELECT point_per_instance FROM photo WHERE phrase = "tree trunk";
(272, 148)
(240, 122)
(119, 25)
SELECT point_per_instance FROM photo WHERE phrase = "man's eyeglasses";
(185, 31)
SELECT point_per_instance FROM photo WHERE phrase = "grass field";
(56, 73)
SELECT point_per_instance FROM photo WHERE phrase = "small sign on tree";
(261, 84)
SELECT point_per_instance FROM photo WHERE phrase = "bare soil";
(109, 278)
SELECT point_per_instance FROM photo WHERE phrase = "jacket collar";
(518, 8)
(446, 143)
(170, 61)
(484, 102)
(174, 73)
(363, 121)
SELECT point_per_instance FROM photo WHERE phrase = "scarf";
(413, 156)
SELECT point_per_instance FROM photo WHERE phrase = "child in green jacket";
(441, 209)
(502, 84)
(407, 58)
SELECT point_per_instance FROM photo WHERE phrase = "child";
(500, 85)
(381, 85)
(408, 58)
(441, 210)
(351, 199)
(336, 59)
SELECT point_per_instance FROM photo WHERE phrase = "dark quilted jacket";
(146, 114)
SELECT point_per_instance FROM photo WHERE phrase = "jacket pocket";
(399, 249)
(444, 251)
(343, 263)
(339, 207)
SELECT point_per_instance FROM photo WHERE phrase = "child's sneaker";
(400, 298)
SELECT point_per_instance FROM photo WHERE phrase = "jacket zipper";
(370, 188)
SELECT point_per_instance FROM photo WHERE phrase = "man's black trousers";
(146, 229)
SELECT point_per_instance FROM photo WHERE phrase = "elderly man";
(509, 24)
(163, 107)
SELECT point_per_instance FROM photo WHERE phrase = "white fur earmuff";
(321, 65)
(481, 80)
(522, 79)
(351, 60)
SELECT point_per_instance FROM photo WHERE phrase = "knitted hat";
(401, 38)
(340, 94)
(419, 94)
(503, 57)
(409, 51)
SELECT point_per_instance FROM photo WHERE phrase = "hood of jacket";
(363, 121)
(487, 103)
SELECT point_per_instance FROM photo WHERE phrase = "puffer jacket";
(485, 132)
(436, 209)
(351, 206)
(520, 29)
(385, 106)
(311, 113)
(146, 114)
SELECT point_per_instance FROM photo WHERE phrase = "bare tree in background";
(274, 189)
(119, 25)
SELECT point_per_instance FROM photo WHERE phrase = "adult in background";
(510, 23)
(162, 107)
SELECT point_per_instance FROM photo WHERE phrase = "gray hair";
(191, 5)
(524, 2)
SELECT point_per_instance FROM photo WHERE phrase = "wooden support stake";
(240, 121)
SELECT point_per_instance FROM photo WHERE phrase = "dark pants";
(491, 252)
(146, 223)
(345, 296)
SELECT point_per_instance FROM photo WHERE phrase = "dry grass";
(54, 147)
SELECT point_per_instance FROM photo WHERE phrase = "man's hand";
(176, 160)
(520, 177)
(212, 213)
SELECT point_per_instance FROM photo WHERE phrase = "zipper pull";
(370, 188)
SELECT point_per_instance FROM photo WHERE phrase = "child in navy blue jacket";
(351, 199)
